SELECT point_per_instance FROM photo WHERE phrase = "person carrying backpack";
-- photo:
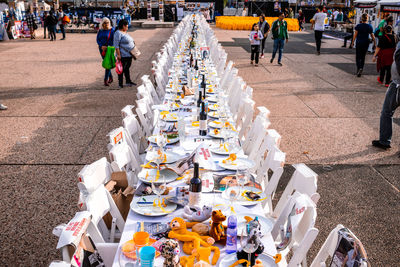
(279, 34)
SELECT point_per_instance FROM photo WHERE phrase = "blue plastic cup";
(147, 255)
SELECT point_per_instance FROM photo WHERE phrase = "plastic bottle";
(231, 235)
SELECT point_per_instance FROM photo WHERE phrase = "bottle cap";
(232, 221)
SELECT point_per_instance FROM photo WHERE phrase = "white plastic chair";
(303, 214)
(329, 247)
(136, 132)
(122, 159)
(275, 162)
(304, 181)
(145, 116)
(127, 111)
(107, 251)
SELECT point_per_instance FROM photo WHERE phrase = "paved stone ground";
(59, 115)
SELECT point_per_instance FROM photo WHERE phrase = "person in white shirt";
(318, 23)
(335, 13)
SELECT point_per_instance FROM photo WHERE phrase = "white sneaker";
(3, 107)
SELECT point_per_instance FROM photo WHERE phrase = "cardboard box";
(121, 193)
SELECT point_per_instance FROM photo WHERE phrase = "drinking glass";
(242, 178)
(159, 189)
(233, 194)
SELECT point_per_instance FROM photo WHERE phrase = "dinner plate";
(212, 99)
(215, 124)
(149, 209)
(213, 114)
(149, 175)
(242, 200)
(230, 259)
(162, 107)
(220, 149)
(213, 107)
(171, 157)
(170, 117)
(153, 139)
(239, 163)
(218, 135)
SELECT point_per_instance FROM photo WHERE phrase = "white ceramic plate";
(242, 200)
(230, 135)
(213, 114)
(171, 157)
(171, 117)
(215, 125)
(149, 209)
(212, 99)
(247, 163)
(213, 107)
(217, 149)
(166, 176)
(152, 139)
(230, 259)
(164, 108)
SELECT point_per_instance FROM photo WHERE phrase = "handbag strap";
(109, 34)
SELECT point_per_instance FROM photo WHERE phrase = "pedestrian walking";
(3, 107)
(31, 21)
(384, 55)
(279, 34)
(51, 22)
(255, 36)
(105, 38)
(301, 19)
(124, 44)
(349, 34)
(318, 23)
(390, 104)
(61, 23)
(361, 36)
(45, 26)
(264, 28)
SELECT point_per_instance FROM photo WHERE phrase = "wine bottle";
(199, 100)
(203, 85)
(195, 187)
(196, 67)
(203, 120)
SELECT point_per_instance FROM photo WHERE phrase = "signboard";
(393, 9)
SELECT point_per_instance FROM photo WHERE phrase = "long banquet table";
(184, 148)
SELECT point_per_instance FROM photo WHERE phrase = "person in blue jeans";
(361, 36)
(105, 38)
(279, 34)
(390, 104)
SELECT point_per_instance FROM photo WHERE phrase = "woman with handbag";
(384, 55)
(124, 45)
(105, 38)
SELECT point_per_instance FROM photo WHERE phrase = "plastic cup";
(147, 255)
(141, 239)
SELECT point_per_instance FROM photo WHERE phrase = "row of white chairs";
(259, 142)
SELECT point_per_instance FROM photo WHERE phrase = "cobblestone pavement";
(60, 113)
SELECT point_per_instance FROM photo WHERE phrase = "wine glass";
(161, 142)
(242, 178)
(233, 194)
(158, 189)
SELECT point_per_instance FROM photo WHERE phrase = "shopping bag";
(135, 52)
(118, 67)
(109, 59)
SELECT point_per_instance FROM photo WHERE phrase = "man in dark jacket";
(279, 34)
(390, 104)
